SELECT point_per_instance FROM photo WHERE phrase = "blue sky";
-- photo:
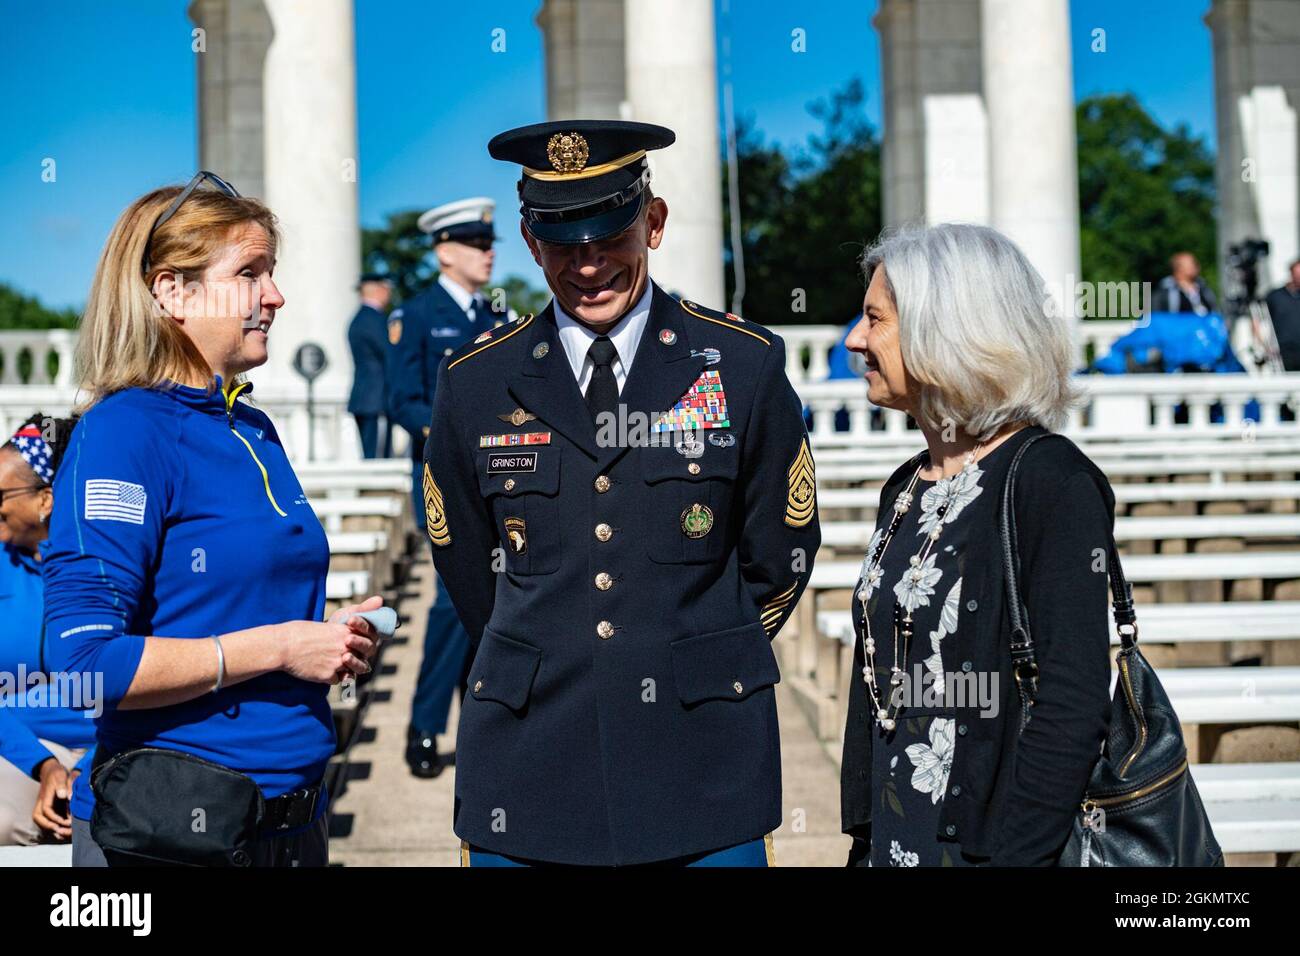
(107, 90)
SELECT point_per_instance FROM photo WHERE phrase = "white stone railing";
(335, 431)
(39, 345)
(1116, 404)
(808, 347)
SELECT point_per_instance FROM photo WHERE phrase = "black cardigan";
(1010, 799)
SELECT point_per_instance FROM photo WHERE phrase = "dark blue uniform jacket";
(621, 706)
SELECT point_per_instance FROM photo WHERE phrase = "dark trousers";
(373, 443)
(445, 665)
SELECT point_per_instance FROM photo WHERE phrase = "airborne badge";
(435, 513)
(801, 496)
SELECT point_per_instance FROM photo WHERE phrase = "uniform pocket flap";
(659, 464)
(504, 670)
(724, 665)
(511, 472)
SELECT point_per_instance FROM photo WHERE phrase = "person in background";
(186, 569)
(1284, 308)
(1183, 290)
(368, 340)
(430, 326)
(44, 741)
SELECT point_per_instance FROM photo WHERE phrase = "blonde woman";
(957, 332)
(185, 569)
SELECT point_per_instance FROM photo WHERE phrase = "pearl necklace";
(902, 622)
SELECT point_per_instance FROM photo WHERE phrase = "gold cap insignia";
(567, 152)
(801, 497)
(435, 512)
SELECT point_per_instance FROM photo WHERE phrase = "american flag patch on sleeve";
(111, 500)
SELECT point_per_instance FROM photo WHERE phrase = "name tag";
(515, 461)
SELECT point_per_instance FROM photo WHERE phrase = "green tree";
(18, 311)
(806, 216)
(1145, 192)
(402, 251)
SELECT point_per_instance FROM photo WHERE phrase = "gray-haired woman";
(957, 331)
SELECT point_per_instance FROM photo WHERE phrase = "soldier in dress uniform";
(621, 503)
(368, 342)
(423, 331)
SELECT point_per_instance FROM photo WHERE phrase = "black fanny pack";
(157, 806)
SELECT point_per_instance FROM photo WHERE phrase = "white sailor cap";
(460, 220)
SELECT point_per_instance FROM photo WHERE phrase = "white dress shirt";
(577, 339)
(470, 302)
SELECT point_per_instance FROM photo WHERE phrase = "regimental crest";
(435, 512)
(801, 494)
(567, 152)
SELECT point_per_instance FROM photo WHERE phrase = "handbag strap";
(1024, 664)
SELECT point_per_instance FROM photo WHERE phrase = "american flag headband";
(35, 451)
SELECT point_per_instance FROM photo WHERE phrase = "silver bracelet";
(221, 664)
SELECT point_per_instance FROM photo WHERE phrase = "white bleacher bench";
(857, 534)
(364, 467)
(1167, 623)
(1099, 451)
(357, 542)
(344, 485)
(1129, 494)
(47, 854)
(346, 585)
(1233, 695)
(332, 511)
(1253, 807)
(1229, 566)
(1216, 464)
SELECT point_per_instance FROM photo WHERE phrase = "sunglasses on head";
(202, 175)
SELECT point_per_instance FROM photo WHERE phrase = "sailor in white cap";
(439, 320)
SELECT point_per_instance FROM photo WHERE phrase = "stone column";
(583, 40)
(236, 35)
(935, 149)
(1257, 91)
(311, 184)
(672, 80)
(1034, 177)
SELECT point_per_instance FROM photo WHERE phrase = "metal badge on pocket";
(697, 521)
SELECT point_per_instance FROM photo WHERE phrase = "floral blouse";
(911, 763)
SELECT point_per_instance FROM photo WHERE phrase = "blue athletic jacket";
(29, 711)
(177, 514)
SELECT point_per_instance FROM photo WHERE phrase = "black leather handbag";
(1141, 807)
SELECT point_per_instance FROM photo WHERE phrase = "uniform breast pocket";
(689, 503)
(523, 487)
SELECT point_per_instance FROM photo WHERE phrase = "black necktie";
(602, 390)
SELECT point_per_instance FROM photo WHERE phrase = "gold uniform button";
(604, 532)
(738, 687)
(478, 686)
(604, 581)
(602, 484)
(605, 630)
(510, 484)
(693, 468)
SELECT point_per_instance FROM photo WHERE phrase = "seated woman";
(186, 566)
(936, 770)
(42, 736)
